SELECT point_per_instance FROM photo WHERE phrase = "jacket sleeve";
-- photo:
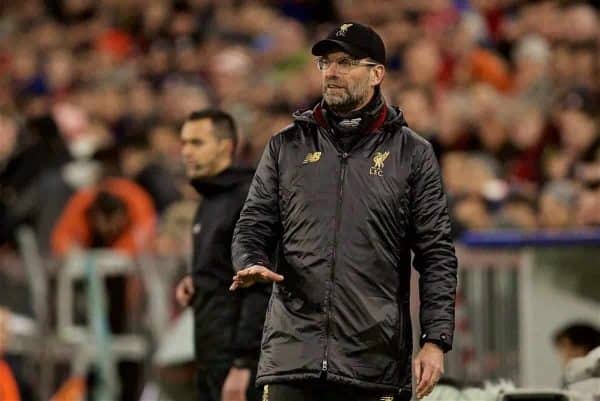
(257, 230)
(434, 256)
(71, 229)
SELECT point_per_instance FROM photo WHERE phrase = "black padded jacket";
(228, 326)
(340, 227)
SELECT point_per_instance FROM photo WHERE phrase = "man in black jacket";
(227, 328)
(338, 202)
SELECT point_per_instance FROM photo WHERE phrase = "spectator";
(557, 205)
(454, 131)
(115, 214)
(588, 206)
(579, 139)
(417, 103)
(26, 156)
(423, 63)
(518, 212)
(526, 130)
(575, 340)
(137, 163)
(531, 81)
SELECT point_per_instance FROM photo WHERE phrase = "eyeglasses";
(344, 65)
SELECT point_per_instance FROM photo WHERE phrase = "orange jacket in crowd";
(9, 390)
(72, 228)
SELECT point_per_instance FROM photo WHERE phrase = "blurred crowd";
(506, 90)
(93, 94)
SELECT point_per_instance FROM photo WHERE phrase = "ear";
(377, 74)
(226, 147)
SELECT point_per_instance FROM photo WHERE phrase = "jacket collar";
(231, 177)
(391, 116)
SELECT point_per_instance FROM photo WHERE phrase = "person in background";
(575, 340)
(228, 326)
(114, 214)
(557, 205)
(138, 162)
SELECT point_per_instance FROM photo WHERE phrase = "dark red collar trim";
(319, 117)
(380, 120)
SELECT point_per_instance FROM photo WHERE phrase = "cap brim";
(326, 46)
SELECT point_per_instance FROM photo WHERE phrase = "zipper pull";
(324, 366)
(345, 155)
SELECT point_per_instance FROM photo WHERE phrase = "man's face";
(577, 129)
(345, 91)
(553, 213)
(203, 153)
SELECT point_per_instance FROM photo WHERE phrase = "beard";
(345, 97)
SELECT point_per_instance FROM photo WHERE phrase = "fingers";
(430, 375)
(189, 285)
(235, 285)
(418, 370)
(269, 275)
(249, 276)
(183, 299)
(181, 296)
(261, 272)
(425, 382)
(185, 291)
(431, 384)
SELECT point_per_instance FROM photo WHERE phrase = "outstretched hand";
(252, 275)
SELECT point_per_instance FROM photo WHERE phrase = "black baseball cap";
(353, 38)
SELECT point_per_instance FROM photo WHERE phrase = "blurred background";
(92, 97)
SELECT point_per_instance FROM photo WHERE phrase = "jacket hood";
(223, 181)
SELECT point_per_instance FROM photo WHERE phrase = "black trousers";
(210, 380)
(321, 390)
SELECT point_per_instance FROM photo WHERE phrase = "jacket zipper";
(344, 158)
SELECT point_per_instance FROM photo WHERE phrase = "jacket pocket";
(289, 298)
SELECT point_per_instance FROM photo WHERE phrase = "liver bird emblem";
(343, 29)
(379, 158)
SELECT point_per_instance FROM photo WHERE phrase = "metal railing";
(70, 340)
(515, 290)
(510, 299)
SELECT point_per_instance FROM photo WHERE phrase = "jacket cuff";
(257, 262)
(441, 339)
(243, 362)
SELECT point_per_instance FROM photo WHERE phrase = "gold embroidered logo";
(387, 398)
(265, 396)
(343, 29)
(377, 167)
(312, 157)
